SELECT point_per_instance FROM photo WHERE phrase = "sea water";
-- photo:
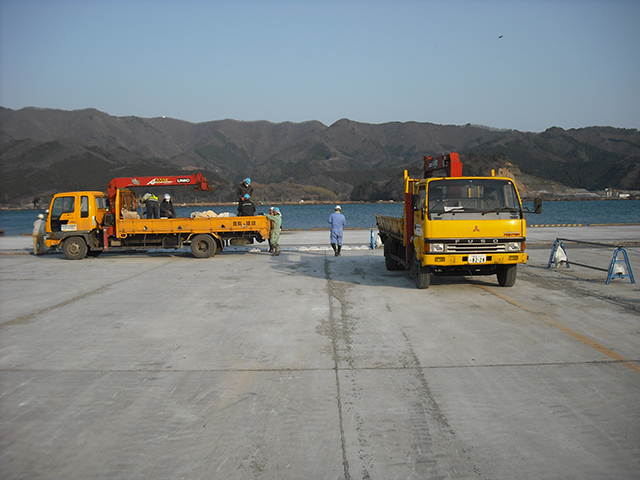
(362, 215)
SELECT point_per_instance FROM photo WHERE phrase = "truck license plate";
(477, 258)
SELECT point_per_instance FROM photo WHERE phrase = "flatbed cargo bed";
(390, 226)
(218, 226)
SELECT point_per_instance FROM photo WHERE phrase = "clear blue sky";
(565, 63)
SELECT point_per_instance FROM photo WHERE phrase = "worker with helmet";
(151, 203)
(167, 209)
(337, 221)
(243, 189)
(38, 235)
(276, 224)
(246, 208)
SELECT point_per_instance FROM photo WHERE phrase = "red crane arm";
(197, 181)
(443, 166)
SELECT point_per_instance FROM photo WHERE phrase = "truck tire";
(423, 276)
(74, 248)
(507, 275)
(203, 246)
(390, 263)
(400, 251)
(421, 273)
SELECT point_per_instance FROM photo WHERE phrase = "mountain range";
(43, 151)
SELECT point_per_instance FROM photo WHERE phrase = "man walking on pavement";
(38, 235)
(337, 221)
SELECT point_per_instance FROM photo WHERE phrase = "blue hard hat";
(247, 181)
(246, 195)
(276, 210)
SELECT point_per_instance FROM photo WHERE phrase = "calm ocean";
(361, 215)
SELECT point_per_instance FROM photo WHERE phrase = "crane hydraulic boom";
(196, 181)
(443, 166)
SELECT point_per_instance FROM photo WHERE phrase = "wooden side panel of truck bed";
(219, 226)
(391, 226)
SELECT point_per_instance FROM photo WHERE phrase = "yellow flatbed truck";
(90, 222)
(456, 225)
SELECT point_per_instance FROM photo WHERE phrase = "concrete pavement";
(248, 366)
(361, 238)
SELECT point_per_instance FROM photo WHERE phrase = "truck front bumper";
(473, 260)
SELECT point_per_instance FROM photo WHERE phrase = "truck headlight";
(514, 247)
(436, 247)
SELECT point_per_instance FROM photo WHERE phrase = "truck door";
(62, 215)
(85, 221)
(418, 216)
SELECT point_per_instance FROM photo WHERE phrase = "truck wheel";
(400, 251)
(390, 263)
(421, 273)
(423, 276)
(74, 248)
(507, 275)
(203, 246)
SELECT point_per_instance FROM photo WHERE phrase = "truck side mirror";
(537, 205)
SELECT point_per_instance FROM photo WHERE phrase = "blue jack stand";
(613, 264)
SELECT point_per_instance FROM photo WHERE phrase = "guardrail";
(616, 268)
(556, 225)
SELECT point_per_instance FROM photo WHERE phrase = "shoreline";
(624, 234)
(353, 202)
(355, 229)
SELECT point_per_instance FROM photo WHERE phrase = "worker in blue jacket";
(337, 221)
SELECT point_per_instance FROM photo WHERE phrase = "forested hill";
(44, 151)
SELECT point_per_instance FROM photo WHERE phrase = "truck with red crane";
(91, 222)
(456, 225)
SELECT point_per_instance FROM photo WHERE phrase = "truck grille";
(476, 248)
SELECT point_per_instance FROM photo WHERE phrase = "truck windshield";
(481, 197)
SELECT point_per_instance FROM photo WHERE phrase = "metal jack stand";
(620, 273)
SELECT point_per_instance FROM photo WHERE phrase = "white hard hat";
(41, 216)
(167, 196)
(338, 207)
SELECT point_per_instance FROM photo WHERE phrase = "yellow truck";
(456, 225)
(91, 222)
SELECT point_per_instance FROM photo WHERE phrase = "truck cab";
(75, 221)
(470, 225)
(76, 214)
(77, 211)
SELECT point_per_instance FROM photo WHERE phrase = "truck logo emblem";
(476, 229)
(183, 180)
(159, 181)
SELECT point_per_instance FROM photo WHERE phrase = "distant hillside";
(44, 151)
